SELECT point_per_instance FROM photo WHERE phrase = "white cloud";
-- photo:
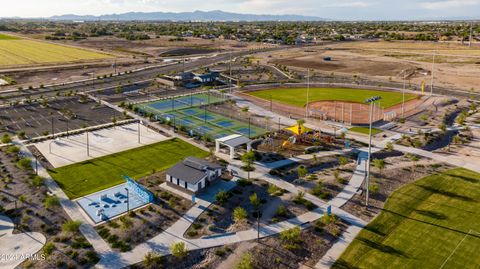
(449, 4)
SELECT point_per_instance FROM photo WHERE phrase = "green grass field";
(422, 226)
(93, 175)
(364, 130)
(18, 51)
(298, 96)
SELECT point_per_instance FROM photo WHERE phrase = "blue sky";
(336, 9)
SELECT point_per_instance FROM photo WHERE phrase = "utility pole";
(471, 34)
(53, 130)
(230, 72)
(433, 70)
(138, 131)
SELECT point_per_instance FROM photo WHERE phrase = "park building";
(192, 175)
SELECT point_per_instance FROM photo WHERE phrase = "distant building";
(208, 77)
(193, 174)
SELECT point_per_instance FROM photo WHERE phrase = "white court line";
(455, 249)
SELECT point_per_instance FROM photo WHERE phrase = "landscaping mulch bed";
(399, 170)
(20, 184)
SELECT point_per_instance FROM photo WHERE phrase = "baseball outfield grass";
(19, 51)
(91, 176)
(298, 96)
(431, 223)
(365, 130)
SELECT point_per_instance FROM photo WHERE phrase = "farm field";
(431, 223)
(298, 96)
(94, 175)
(18, 51)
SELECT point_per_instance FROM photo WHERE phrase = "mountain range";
(215, 15)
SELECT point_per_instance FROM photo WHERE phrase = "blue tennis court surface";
(100, 208)
(225, 123)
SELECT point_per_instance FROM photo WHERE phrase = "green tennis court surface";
(189, 113)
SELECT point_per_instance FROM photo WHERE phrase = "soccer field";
(18, 51)
(90, 176)
(298, 96)
(431, 223)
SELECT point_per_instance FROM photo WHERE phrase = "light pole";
(433, 70)
(403, 93)
(50, 145)
(308, 92)
(370, 101)
(138, 131)
(128, 201)
(88, 145)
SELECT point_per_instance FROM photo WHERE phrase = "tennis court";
(188, 113)
(198, 121)
(180, 102)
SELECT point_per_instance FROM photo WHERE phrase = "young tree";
(379, 164)
(254, 201)
(248, 159)
(179, 250)
(414, 159)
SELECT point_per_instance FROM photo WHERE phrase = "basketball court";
(73, 149)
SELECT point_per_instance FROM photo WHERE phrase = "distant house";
(208, 77)
(193, 174)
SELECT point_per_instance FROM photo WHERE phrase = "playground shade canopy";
(298, 129)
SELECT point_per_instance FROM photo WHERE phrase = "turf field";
(298, 96)
(18, 51)
(365, 130)
(90, 176)
(431, 223)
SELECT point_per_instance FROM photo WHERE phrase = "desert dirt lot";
(456, 65)
(163, 46)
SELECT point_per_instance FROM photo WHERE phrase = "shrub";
(48, 248)
(245, 262)
(71, 226)
(281, 211)
(51, 201)
(222, 197)
(37, 181)
(179, 249)
(239, 214)
(25, 164)
(291, 237)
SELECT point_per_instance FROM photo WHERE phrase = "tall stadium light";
(370, 101)
(403, 92)
(138, 131)
(308, 92)
(471, 34)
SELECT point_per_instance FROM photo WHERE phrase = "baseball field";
(18, 51)
(298, 96)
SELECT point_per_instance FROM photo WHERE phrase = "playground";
(73, 149)
(110, 203)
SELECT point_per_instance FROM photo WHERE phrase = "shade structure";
(298, 129)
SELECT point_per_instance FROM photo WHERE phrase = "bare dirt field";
(456, 65)
(156, 46)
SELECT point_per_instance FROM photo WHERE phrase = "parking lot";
(58, 116)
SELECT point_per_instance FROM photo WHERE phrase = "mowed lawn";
(365, 130)
(18, 51)
(93, 175)
(421, 225)
(298, 96)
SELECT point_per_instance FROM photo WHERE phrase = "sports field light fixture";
(370, 101)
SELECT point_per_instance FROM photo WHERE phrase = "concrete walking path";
(16, 248)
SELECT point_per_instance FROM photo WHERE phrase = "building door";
(178, 181)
